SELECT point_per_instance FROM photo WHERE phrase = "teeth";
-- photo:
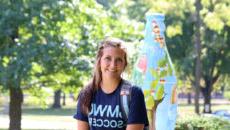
(112, 70)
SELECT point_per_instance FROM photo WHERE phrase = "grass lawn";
(43, 119)
(41, 122)
(34, 118)
(37, 118)
(49, 112)
(28, 129)
(185, 109)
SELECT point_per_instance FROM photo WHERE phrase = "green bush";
(202, 123)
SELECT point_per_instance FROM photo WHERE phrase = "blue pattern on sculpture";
(155, 74)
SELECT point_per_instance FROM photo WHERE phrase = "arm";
(82, 125)
(135, 127)
(82, 119)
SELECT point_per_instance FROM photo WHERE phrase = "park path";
(52, 123)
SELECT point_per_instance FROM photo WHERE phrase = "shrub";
(202, 123)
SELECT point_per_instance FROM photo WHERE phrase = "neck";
(109, 85)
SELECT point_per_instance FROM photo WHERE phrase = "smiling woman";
(112, 65)
(99, 105)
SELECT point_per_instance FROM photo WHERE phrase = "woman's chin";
(112, 76)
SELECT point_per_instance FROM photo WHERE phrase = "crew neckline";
(118, 86)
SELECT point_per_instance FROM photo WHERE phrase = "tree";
(198, 48)
(24, 40)
(214, 53)
(57, 99)
(30, 41)
(214, 36)
(50, 44)
(216, 59)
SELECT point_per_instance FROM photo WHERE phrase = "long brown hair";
(89, 90)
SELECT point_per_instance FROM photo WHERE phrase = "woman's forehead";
(113, 51)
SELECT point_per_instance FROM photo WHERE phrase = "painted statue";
(155, 74)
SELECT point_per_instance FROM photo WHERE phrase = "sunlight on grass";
(37, 118)
(49, 111)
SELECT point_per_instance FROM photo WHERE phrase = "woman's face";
(112, 63)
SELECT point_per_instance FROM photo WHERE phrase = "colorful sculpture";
(155, 74)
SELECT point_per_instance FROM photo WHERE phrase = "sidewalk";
(49, 123)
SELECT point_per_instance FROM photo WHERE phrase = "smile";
(112, 70)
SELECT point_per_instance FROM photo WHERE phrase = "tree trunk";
(207, 103)
(57, 99)
(189, 98)
(207, 96)
(152, 114)
(198, 53)
(63, 99)
(152, 119)
(16, 99)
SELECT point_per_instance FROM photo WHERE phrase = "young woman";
(99, 105)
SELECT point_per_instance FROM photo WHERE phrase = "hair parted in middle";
(88, 92)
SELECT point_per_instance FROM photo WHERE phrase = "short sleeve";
(137, 109)
(79, 115)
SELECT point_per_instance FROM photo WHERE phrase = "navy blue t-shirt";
(106, 113)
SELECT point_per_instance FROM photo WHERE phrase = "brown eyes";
(108, 58)
(117, 60)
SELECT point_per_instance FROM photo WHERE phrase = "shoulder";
(134, 89)
(85, 91)
(126, 83)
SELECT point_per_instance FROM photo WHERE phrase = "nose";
(113, 64)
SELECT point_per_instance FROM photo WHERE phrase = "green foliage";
(29, 35)
(154, 84)
(227, 95)
(160, 92)
(149, 100)
(53, 43)
(156, 92)
(37, 96)
(153, 72)
(163, 73)
(162, 62)
(201, 123)
(137, 9)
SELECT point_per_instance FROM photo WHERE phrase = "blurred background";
(47, 51)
